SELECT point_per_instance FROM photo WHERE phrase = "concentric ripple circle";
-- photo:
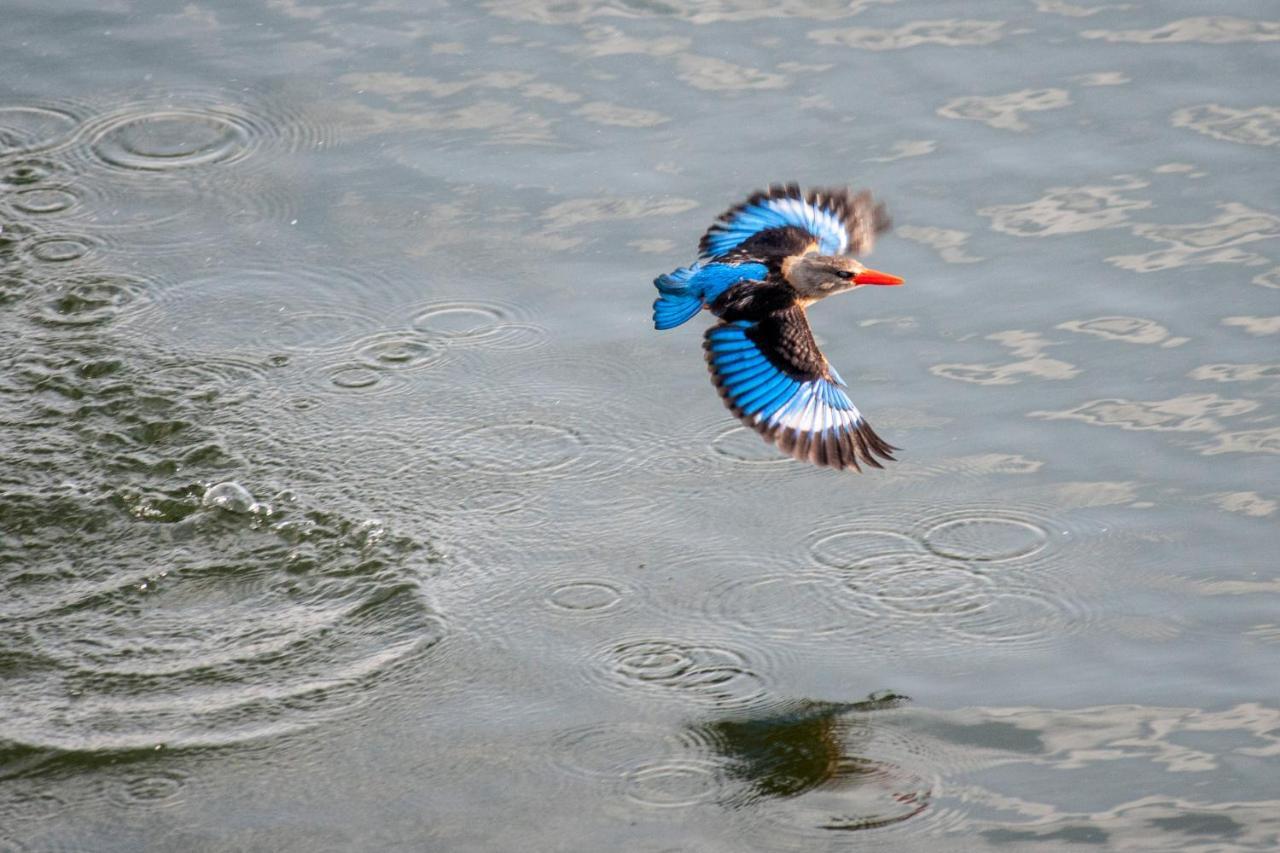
(225, 380)
(29, 806)
(91, 299)
(293, 307)
(788, 604)
(353, 376)
(460, 320)
(674, 783)
(356, 377)
(918, 585)
(516, 448)
(399, 351)
(648, 765)
(1022, 616)
(584, 596)
(32, 128)
(611, 750)
(480, 324)
(152, 789)
(1008, 577)
(59, 248)
(742, 445)
(985, 537)
(179, 138)
(700, 672)
(176, 650)
(840, 549)
(863, 794)
(42, 201)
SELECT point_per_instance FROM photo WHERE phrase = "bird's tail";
(676, 302)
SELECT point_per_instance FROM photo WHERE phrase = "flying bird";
(760, 266)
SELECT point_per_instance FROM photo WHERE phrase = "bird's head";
(816, 276)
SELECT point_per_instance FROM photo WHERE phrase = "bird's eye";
(845, 274)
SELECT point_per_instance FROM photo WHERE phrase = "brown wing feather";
(785, 339)
(864, 218)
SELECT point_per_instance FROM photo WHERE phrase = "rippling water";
(348, 500)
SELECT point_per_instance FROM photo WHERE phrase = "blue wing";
(782, 220)
(772, 376)
(683, 292)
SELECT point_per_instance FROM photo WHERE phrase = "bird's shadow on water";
(816, 767)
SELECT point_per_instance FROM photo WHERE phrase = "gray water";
(349, 500)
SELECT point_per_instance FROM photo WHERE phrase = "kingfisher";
(760, 265)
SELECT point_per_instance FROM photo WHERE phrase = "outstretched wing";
(782, 221)
(772, 375)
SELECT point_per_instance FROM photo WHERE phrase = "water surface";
(349, 501)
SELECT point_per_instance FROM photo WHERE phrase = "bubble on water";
(229, 496)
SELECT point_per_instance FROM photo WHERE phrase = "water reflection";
(792, 774)
(1005, 111)
(1221, 29)
(820, 758)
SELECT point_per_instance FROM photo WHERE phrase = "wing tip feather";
(849, 449)
(863, 217)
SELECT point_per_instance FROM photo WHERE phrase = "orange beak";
(875, 277)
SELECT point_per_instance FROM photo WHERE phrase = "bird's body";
(762, 264)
